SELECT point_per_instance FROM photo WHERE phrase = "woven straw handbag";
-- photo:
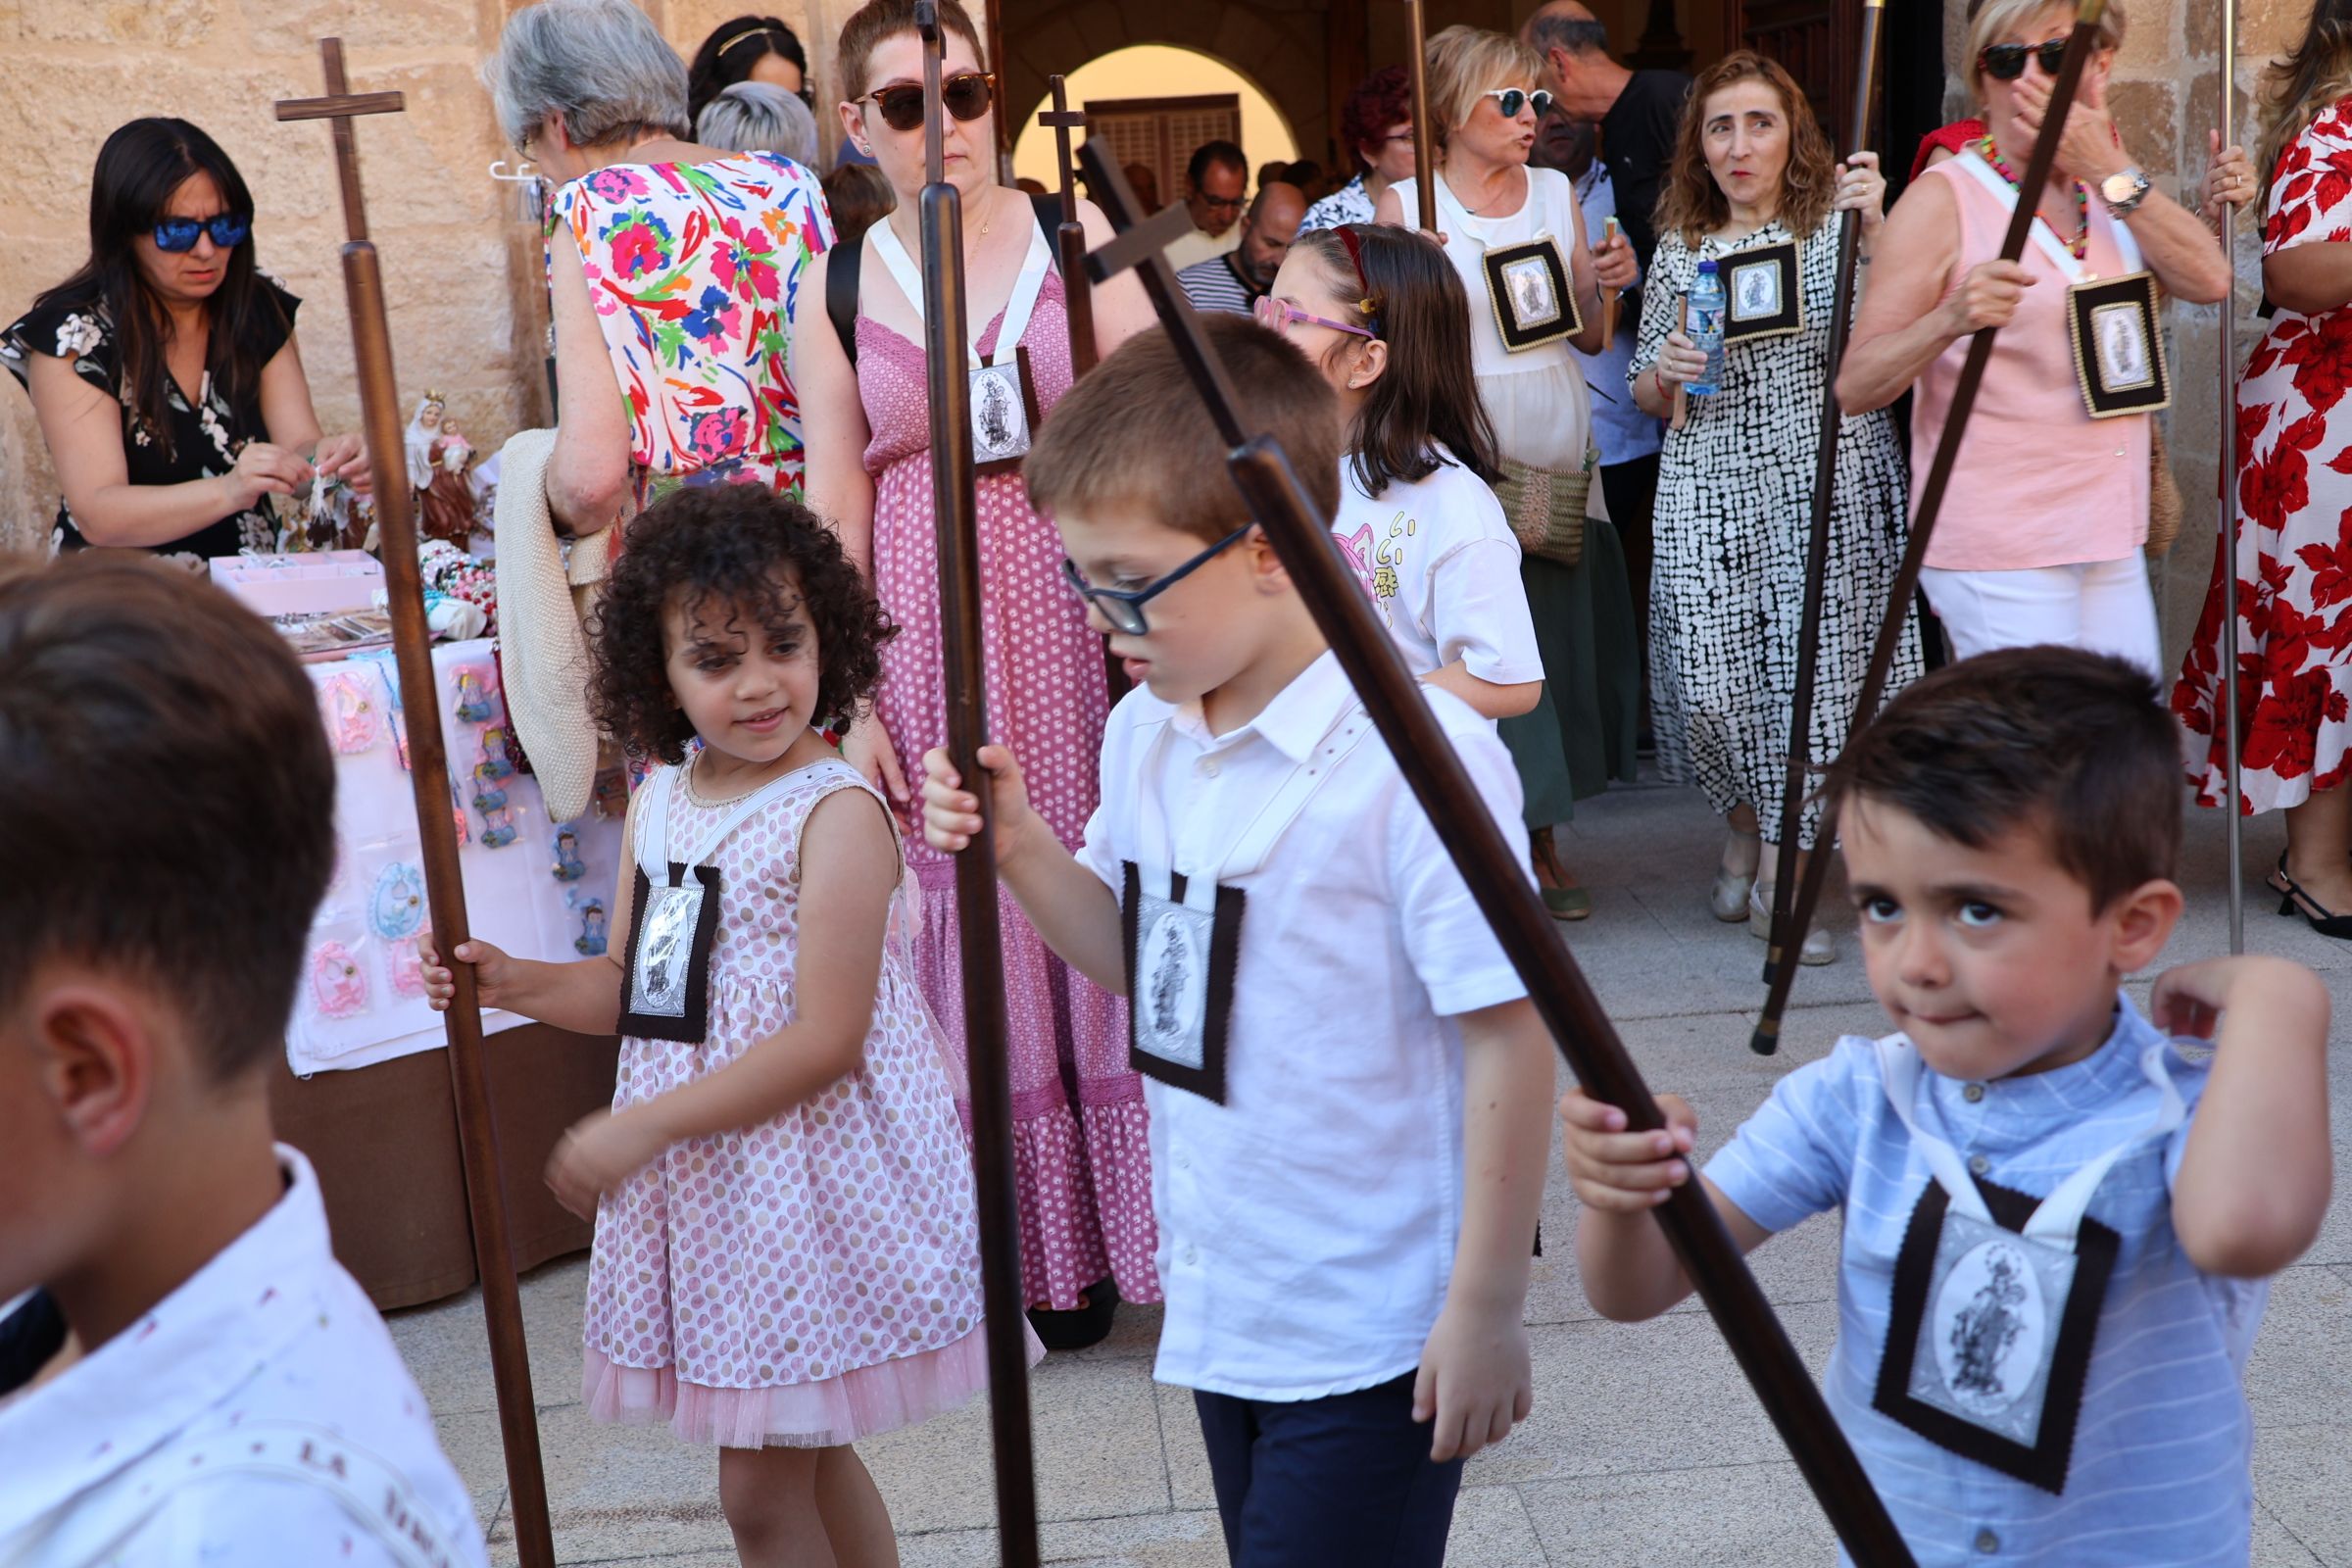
(1547, 508)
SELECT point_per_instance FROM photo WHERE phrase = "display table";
(384, 1142)
(365, 1091)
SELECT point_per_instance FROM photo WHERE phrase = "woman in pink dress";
(1079, 1128)
(2295, 501)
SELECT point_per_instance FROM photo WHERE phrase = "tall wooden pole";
(1425, 160)
(1491, 869)
(2078, 45)
(1825, 490)
(1069, 240)
(2233, 799)
(428, 775)
(979, 940)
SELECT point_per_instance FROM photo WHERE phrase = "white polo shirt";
(1441, 563)
(1307, 1225)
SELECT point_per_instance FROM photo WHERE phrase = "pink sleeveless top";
(2038, 482)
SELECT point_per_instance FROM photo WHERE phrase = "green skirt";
(1580, 737)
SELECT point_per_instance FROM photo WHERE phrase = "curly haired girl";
(786, 1242)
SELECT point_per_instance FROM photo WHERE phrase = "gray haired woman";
(646, 222)
(760, 117)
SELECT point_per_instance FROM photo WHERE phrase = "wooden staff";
(1824, 488)
(1425, 160)
(2224, 420)
(428, 775)
(2078, 45)
(1069, 240)
(979, 942)
(1493, 873)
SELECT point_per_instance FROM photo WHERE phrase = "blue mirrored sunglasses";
(178, 235)
(1123, 608)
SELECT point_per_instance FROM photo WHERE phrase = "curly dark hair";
(749, 550)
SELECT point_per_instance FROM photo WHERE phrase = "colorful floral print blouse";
(202, 443)
(695, 270)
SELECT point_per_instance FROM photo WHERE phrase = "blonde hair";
(1465, 64)
(2297, 90)
(1998, 16)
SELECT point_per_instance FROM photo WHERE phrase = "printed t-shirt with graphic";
(1442, 566)
(1307, 1225)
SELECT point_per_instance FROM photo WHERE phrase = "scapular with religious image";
(1996, 1295)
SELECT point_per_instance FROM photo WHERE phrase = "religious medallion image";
(2117, 344)
(1764, 292)
(1004, 414)
(1180, 953)
(1528, 287)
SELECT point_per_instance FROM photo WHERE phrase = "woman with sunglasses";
(1083, 1174)
(672, 268)
(164, 372)
(2042, 529)
(1484, 104)
(1752, 174)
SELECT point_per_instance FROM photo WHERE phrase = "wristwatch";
(2122, 192)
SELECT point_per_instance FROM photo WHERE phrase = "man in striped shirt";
(2010, 828)
(1239, 278)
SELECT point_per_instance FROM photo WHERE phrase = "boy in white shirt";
(186, 1375)
(1343, 1070)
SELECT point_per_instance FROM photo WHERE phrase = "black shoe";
(1087, 1323)
(2315, 914)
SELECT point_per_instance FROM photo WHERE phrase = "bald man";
(1639, 112)
(1237, 279)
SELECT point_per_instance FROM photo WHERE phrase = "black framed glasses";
(966, 95)
(1510, 100)
(1123, 608)
(2006, 61)
(178, 234)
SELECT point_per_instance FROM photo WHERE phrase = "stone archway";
(1282, 48)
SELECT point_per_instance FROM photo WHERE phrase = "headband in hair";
(748, 32)
(1369, 308)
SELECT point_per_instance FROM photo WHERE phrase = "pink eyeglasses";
(1274, 312)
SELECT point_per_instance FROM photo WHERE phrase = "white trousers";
(2103, 605)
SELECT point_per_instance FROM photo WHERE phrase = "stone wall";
(460, 264)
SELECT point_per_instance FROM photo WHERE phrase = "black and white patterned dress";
(1734, 513)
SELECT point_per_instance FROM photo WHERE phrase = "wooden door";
(1815, 41)
(1161, 134)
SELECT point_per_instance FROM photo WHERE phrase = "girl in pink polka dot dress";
(786, 1238)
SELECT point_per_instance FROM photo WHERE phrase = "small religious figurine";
(438, 452)
(569, 865)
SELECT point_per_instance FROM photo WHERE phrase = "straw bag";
(1547, 508)
(2164, 497)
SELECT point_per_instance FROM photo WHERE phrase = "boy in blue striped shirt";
(2058, 1226)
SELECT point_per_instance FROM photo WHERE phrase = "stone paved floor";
(1644, 1447)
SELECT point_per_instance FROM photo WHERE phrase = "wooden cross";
(1063, 122)
(339, 105)
(1494, 872)
(436, 831)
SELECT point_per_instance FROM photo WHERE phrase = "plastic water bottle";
(1706, 327)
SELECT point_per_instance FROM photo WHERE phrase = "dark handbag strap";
(846, 262)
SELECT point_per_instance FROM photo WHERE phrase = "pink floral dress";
(1080, 1135)
(2294, 512)
(695, 270)
(816, 1279)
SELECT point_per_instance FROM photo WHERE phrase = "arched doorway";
(1159, 72)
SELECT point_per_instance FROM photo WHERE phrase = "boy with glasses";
(1343, 1072)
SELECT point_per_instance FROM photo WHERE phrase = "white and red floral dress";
(2294, 512)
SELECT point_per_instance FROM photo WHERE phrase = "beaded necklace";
(1984, 149)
